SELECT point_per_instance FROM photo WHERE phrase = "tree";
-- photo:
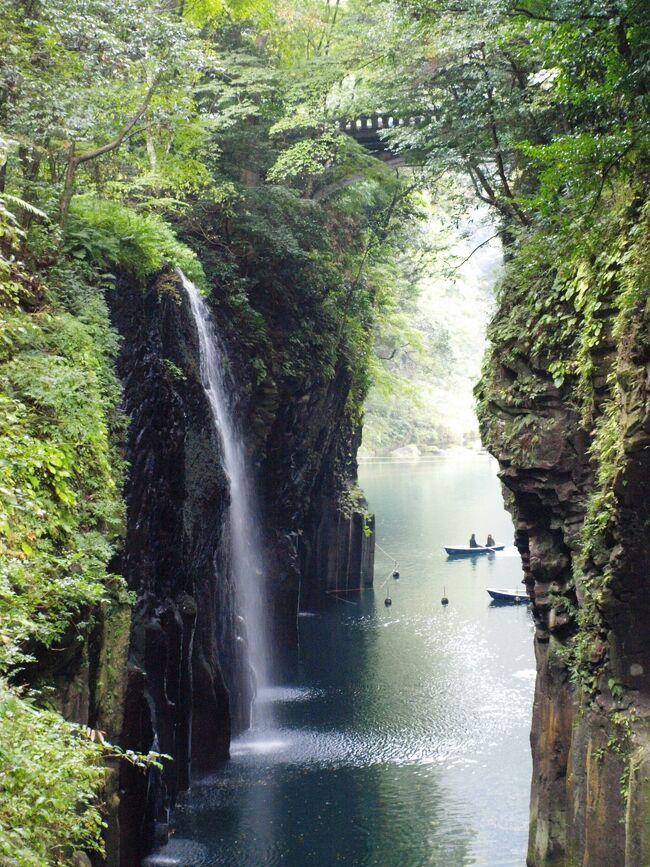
(77, 80)
(75, 160)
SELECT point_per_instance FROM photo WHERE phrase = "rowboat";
(466, 551)
(511, 596)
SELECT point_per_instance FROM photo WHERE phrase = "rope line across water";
(338, 590)
(394, 569)
(383, 551)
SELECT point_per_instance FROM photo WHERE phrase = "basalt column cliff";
(564, 406)
(189, 684)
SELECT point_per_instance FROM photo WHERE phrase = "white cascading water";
(247, 559)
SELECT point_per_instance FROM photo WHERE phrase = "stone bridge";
(367, 131)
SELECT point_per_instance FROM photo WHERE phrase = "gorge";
(202, 275)
(193, 668)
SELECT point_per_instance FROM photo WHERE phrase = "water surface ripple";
(399, 737)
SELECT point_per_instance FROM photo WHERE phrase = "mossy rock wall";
(565, 411)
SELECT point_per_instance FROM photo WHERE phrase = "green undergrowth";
(61, 511)
(52, 777)
(61, 523)
(50, 773)
(61, 518)
(105, 233)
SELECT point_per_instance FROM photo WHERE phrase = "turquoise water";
(400, 735)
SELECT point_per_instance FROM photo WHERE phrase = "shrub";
(49, 776)
(103, 232)
(61, 511)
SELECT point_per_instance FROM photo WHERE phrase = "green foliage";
(103, 232)
(50, 772)
(61, 519)
(75, 76)
(60, 507)
(10, 231)
(352, 501)
(201, 12)
(305, 159)
(173, 370)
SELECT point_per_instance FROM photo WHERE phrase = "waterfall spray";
(247, 559)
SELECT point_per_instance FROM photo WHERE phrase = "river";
(400, 737)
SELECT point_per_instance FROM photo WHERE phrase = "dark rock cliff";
(574, 455)
(545, 472)
(322, 533)
(187, 684)
(188, 687)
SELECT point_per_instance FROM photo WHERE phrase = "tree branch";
(393, 353)
(476, 249)
(535, 16)
(498, 153)
(75, 161)
(605, 172)
(376, 234)
(119, 138)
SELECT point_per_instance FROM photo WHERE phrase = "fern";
(107, 233)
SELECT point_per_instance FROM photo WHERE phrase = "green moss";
(110, 684)
(638, 806)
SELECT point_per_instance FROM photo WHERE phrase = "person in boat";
(472, 542)
(490, 541)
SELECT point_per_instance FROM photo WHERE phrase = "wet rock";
(188, 684)
(410, 451)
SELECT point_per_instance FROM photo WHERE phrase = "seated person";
(472, 542)
(490, 541)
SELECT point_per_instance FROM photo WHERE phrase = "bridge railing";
(373, 123)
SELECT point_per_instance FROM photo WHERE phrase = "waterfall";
(246, 557)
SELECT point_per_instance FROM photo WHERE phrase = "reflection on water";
(400, 737)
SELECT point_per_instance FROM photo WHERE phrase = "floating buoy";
(396, 574)
(444, 600)
(388, 601)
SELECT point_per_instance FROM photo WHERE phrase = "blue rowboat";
(515, 597)
(466, 551)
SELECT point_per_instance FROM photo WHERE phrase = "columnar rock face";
(188, 686)
(575, 461)
(545, 472)
(323, 533)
